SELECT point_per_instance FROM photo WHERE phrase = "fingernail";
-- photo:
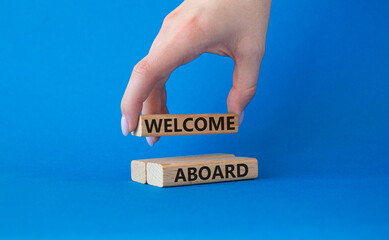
(149, 141)
(124, 126)
(241, 116)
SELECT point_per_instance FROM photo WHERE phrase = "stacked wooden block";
(195, 169)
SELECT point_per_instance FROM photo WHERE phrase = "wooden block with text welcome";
(139, 167)
(186, 124)
(198, 171)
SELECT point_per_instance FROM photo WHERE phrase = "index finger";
(154, 68)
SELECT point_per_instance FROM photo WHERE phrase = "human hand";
(234, 28)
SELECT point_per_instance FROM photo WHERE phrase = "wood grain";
(198, 171)
(186, 124)
(139, 167)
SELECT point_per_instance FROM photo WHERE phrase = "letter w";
(153, 125)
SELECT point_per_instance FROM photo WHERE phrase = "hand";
(234, 28)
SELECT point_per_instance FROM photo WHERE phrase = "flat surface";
(318, 126)
(103, 205)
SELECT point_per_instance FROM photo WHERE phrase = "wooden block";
(186, 124)
(139, 167)
(198, 171)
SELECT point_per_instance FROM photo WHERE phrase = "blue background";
(318, 125)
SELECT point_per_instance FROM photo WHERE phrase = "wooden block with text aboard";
(186, 124)
(198, 171)
(139, 167)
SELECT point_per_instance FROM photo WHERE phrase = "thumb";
(245, 78)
